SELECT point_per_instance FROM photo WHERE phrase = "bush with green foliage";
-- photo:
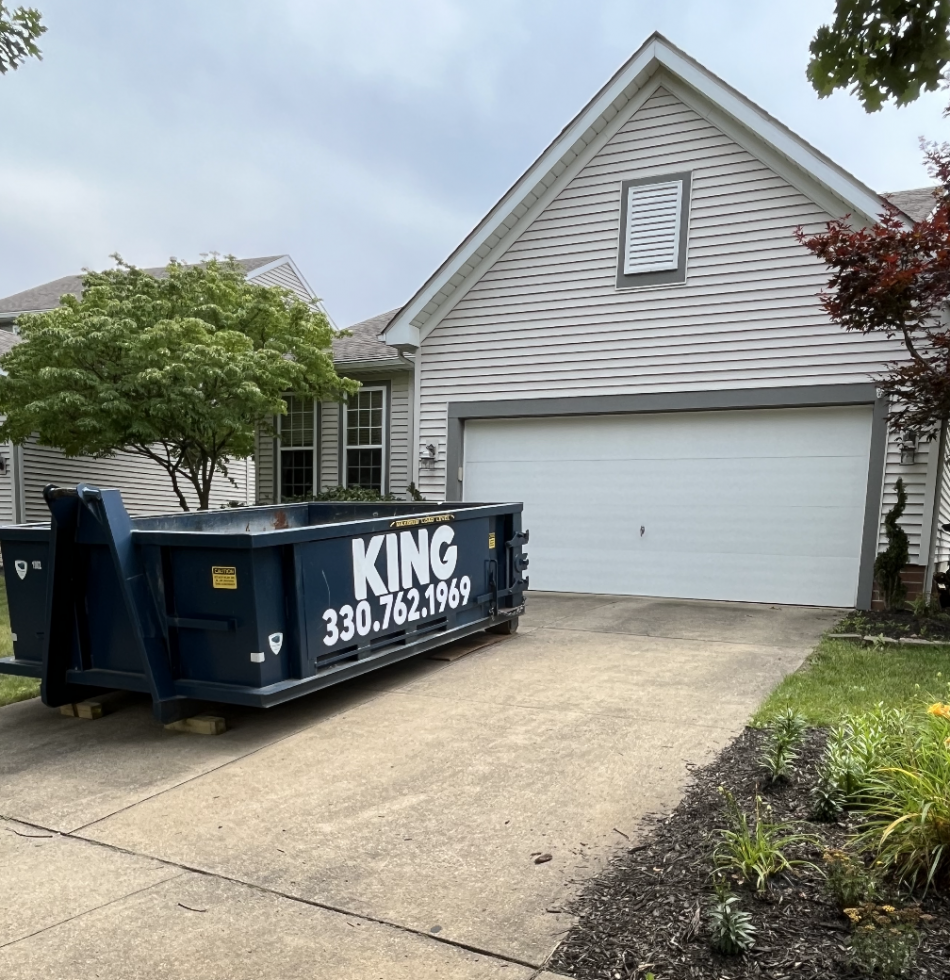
(361, 494)
(890, 562)
(754, 848)
(730, 928)
(908, 802)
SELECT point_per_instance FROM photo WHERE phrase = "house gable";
(657, 62)
(549, 317)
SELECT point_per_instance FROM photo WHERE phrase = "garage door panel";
(779, 481)
(722, 519)
(671, 435)
(801, 580)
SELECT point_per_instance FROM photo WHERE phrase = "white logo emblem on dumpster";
(21, 567)
(276, 641)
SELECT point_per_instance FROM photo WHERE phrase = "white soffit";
(584, 136)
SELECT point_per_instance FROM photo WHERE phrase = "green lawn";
(12, 688)
(842, 678)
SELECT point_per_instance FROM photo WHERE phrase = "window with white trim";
(654, 220)
(297, 431)
(365, 434)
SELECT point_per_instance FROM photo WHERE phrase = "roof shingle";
(47, 296)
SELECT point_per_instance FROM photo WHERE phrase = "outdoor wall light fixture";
(908, 447)
(428, 453)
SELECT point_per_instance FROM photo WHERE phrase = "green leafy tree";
(19, 30)
(888, 564)
(882, 49)
(180, 368)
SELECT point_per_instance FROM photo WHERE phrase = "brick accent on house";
(912, 576)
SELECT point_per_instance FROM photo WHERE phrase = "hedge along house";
(364, 442)
(145, 486)
(631, 343)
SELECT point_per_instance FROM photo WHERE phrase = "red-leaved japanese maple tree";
(894, 278)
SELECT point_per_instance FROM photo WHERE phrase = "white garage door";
(758, 505)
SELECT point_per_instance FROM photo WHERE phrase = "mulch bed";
(896, 624)
(646, 912)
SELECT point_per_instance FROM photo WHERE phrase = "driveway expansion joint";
(313, 903)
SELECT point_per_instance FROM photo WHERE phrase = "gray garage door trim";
(811, 396)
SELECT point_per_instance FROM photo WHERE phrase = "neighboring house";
(364, 442)
(631, 343)
(145, 486)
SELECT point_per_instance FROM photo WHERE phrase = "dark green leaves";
(182, 368)
(19, 31)
(882, 49)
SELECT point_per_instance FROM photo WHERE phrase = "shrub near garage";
(908, 800)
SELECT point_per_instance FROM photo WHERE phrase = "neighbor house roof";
(47, 296)
(916, 203)
(363, 348)
(657, 63)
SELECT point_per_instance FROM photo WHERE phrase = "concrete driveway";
(387, 828)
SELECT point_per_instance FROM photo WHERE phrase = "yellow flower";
(853, 914)
(940, 710)
(888, 908)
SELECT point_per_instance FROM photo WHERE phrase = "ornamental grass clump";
(785, 734)
(908, 797)
(754, 849)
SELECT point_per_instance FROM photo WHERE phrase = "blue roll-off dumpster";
(253, 605)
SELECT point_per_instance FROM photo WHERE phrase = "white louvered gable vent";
(652, 240)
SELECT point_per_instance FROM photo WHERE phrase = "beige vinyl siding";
(941, 537)
(264, 468)
(330, 445)
(400, 434)
(145, 486)
(7, 509)
(914, 476)
(546, 320)
(285, 276)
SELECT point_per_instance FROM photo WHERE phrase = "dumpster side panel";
(227, 620)
(25, 575)
(422, 575)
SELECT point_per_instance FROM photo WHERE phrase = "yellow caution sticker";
(420, 521)
(224, 576)
(491, 541)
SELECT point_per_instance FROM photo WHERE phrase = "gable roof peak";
(657, 61)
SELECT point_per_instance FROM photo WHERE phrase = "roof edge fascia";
(401, 329)
(388, 364)
(722, 105)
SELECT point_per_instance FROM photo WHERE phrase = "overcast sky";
(363, 137)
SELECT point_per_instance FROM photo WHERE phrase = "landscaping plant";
(908, 799)
(730, 928)
(754, 849)
(848, 880)
(890, 562)
(885, 939)
(855, 749)
(785, 734)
